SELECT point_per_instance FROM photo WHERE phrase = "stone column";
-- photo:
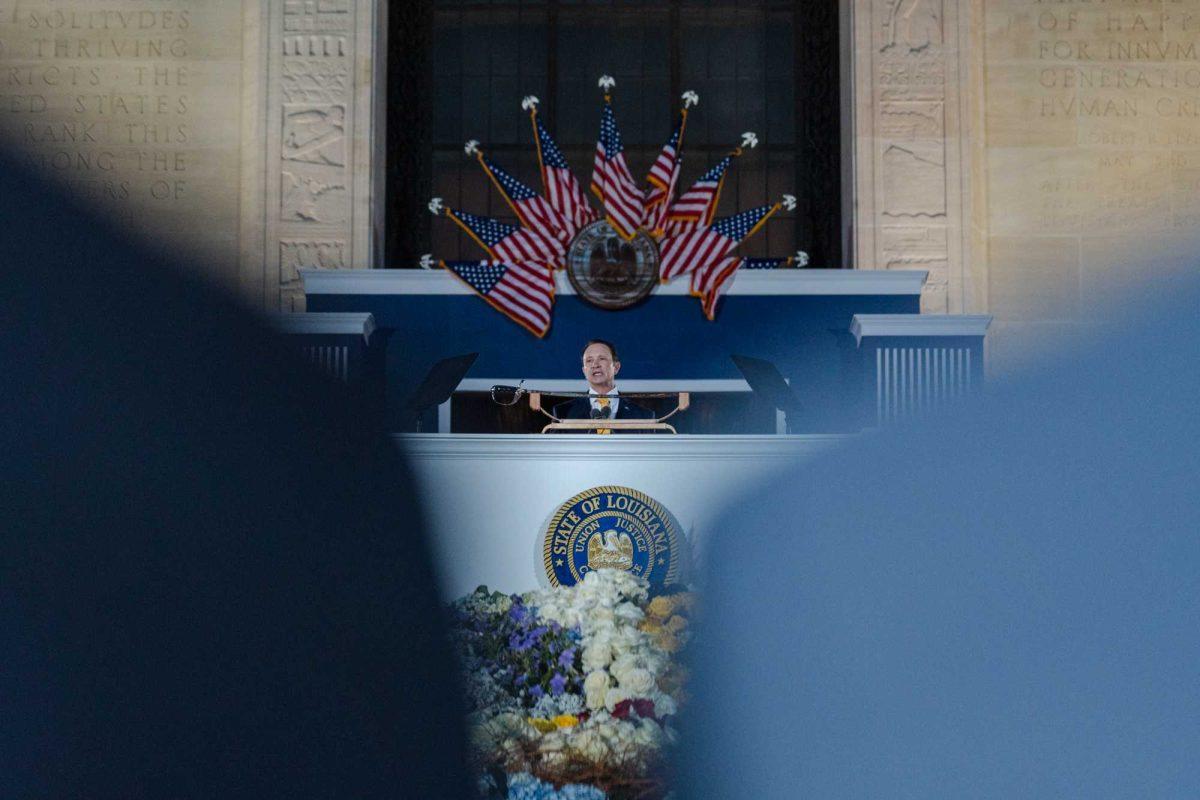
(909, 112)
(322, 58)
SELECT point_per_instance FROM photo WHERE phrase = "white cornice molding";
(325, 322)
(749, 282)
(863, 325)
(586, 447)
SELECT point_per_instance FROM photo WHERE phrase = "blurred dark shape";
(1001, 603)
(213, 577)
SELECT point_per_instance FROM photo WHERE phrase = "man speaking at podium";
(600, 368)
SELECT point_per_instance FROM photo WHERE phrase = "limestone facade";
(1027, 153)
(240, 134)
(1038, 157)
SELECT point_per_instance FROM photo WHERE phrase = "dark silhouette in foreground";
(213, 577)
(1002, 603)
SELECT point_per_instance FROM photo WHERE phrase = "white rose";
(600, 616)
(629, 640)
(595, 688)
(629, 613)
(639, 682)
(623, 663)
(591, 745)
(614, 696)
(597, 654)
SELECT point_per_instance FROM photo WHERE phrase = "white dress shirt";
(613, 401)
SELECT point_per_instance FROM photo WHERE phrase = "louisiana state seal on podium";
(612, 527)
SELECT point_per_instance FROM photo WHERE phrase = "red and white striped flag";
(664, 173)
(503, 242)
(530, 207)
(624, 202)
(696, 207)
(523, 292)
(562, 189)
(700, 248)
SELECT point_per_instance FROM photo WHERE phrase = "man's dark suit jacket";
(581, 408)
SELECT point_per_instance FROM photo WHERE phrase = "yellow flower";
(650, 626)
(660, 607)
(566, 720)
(543, 725)
(676, 623)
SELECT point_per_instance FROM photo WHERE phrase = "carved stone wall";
(313, 50)
(1039, 158)
(1093, 159)
(909, 210)
(240, 133)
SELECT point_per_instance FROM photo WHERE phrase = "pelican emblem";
(610, 549)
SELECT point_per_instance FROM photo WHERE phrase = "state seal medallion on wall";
(612, 527)
(608, 271)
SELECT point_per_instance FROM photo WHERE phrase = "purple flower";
(557, 684)
(537, 633)
(536, 692)
(518, 612)
(567, 659)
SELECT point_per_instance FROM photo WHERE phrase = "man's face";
(599, 367)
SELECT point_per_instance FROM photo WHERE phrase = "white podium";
(488, 497)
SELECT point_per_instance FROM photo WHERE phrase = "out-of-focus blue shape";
(1000, 603)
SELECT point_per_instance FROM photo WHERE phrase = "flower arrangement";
(571, 690)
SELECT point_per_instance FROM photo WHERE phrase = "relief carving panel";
(316, 170)
(905, 218)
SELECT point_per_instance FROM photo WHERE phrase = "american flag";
(710, 280)
(699, 248)
(562, 188)
(504, 242)
(696, 207)
(664, 174)
(529, 206)
(611, 181)
(523, 292)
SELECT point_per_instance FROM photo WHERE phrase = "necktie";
(603, 403)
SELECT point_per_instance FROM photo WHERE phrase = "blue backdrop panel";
(665, 337)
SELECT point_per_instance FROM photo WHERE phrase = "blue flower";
(536, 692)
(567, 659)
(557, 684)
(518, 612)
(523, 786)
